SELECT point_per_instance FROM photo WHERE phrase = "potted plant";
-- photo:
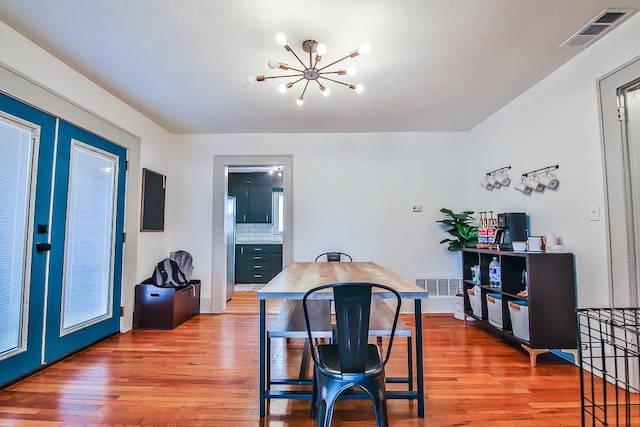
(461, 228)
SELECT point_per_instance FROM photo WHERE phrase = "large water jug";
(494, 273)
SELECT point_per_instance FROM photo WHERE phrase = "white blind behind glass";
(89, 241)
(16, 153)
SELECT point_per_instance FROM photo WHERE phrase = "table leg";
(263, 330)
(419, 359)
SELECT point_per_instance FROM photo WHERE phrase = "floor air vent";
(605, 21)
(440, 287)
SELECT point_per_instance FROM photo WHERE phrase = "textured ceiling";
(435, 65)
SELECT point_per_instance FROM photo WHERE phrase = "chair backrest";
(352, 309)
(335, 257)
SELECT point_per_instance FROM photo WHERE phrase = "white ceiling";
(435, 65)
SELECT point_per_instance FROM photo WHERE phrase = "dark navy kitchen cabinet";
(257, 263)
(253, 193)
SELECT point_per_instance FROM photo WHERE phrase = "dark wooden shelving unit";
(550, 280)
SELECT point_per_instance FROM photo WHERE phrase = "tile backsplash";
(257, 233)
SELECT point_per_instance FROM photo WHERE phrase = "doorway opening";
(255, 226)
(274, 226)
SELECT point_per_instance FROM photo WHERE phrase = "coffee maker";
(512, 227)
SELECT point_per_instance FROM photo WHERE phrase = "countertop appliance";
(512, 227)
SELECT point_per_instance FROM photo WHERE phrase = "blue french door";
(83, 303)
(26, 159)
(61, 238)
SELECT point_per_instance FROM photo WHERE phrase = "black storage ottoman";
(165, 308)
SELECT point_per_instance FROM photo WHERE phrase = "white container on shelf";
(494, 310)
(519, 312)
(475, 298)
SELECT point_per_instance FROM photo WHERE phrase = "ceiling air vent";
(605, 21)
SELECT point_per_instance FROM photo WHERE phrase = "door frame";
(221, 163)
(619, 215)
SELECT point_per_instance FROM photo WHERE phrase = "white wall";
(557, 122)
(142, 250)
(352, 192)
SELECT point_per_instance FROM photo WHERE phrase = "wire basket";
(609, 340)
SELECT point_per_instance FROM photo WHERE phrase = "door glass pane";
(89, 238)
(16, 153)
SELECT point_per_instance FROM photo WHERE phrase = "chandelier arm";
(283, 75)
(300, 79)
(335, 81)
(305, 89)
(332, 72)
(335, 62)
(298, 58)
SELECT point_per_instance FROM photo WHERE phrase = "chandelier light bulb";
(321, 49)
(300, 100)
(351, 71)
(325, 91)
(364, 48)
(282, 88)
(251, 79)
(281, 39)
(359, 88)
(273, 64)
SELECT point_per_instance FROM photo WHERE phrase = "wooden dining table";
(297, 278)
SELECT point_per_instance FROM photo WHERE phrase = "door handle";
(43, 247)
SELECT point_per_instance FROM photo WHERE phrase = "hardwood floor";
(205, 373)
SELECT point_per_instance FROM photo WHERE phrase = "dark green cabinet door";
(257, 263)
(241, 271)
(253, 193)
(240, 191)
(260, 204)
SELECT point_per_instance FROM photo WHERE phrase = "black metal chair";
(350, 360)
(335, 257)
(330, 257)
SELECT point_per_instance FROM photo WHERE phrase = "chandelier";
(311, 72)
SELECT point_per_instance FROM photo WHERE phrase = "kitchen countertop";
(258, 242)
